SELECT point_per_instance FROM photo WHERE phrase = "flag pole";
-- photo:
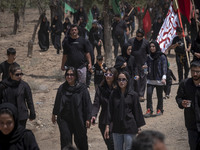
(179, 17)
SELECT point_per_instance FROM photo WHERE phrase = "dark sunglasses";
(69, 74)
(121, 79)
(19, 74)
(140, 36)
(108, 74)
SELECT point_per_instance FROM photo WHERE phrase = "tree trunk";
(16, 21)
(23, 12)
(31, 42)
(107, 36)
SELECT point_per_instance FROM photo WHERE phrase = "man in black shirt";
(119, 28)
(76, 53)
(180, 50)
(188, 98)
(140, 50)
(4, 66)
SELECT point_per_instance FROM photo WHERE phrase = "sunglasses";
(108, 74)
(19, 74)
(140, 36)
(122, 80)
(70, 74)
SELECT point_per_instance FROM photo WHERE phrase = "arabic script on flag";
(168, 29)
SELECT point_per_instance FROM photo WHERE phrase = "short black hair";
(99, 57)
(146, 140)
(179, 29)
(141, 31)
(11, 51)
(195, 63)
(13, 68)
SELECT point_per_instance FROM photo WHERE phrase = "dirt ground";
(43, 74)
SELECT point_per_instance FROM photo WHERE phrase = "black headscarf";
(158, 52)
(124, 50)
(10, 141)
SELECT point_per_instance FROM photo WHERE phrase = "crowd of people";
(119, 90)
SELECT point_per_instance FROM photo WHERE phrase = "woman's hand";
(106, 133)
(54, 119)
(88, 123)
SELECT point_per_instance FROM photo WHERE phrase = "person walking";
(156, 78)
(187, 98)
(72, 110)
(101, 100)
(16, 91)
(125, 113)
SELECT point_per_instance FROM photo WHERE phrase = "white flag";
(168, 29)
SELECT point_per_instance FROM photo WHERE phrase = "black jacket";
(73, 104)
(125, 112)
(186, 91)
(20, 95)
(101, 100)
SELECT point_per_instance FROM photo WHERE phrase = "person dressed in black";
(16, 91)
(102, 100)
(66, 26)
(140, 50)
(167, 87)
(180, 50)
(187, 98)
(195, 49)
(156, 78)
(81, 27)
(76, 53)
(99, 70)
(95, 12)
(43, 34)
(56, 30)
(81, 14)
(4, 66)
(119, 29)
(96, 36)
(12, 135)
(156, 28)
(72, 111)
(125, 113)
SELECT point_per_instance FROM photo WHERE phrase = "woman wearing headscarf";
(156, 77)
(101, 100)
(72, 111)
(12, 135)
(125, 113)
(56, 30)
(16, 91)
(43, 34)
(126, 62)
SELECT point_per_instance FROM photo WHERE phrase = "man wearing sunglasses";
(140, 50)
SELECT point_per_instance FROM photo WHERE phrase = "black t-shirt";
(98, 73)
(4, 68)
(119, 28)
(75, 49)
(181, 48)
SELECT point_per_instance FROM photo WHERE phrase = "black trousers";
(159, 92)
(66, 131)
(119, 40)
(109, 142)
(181, 61)
(140, 85)
(194, 139)
(167, 89)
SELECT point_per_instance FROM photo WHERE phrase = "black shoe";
(58, 51)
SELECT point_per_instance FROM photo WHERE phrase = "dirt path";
(43, 74)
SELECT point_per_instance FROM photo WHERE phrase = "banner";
(68, 8)
(184, 7)
(147, 23)
(89, 23)
(115, 6)
(168, 29)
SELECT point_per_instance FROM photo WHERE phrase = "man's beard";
(195, 78)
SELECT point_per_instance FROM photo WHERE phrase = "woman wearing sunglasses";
(101, 100)
(72, 111)
(16, 91)
(126, 114)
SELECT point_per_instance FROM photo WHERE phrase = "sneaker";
(148, 113)
(158, 113)
(142, 99)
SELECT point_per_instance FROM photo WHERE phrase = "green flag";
(68, 8)
(89, 23)
(115, 4)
